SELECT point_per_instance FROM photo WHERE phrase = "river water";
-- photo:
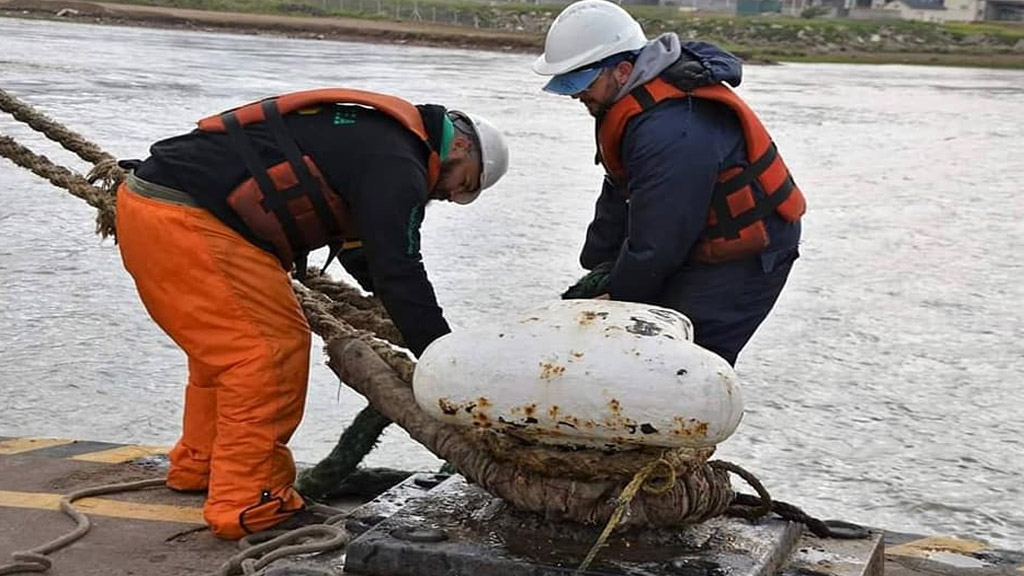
(885, 388)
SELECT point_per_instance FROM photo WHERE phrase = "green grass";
(1007, 29)
(766, 37)
(660, 18)
(249, 6)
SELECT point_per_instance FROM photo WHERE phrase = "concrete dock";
(160, 532)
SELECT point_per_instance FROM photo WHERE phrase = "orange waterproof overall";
(229, 305)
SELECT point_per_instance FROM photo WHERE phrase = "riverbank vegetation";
(521, 26)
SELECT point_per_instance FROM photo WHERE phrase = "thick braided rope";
(53, 130)
(64, 178)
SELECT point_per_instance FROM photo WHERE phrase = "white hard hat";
(493, 155)
(587, 32)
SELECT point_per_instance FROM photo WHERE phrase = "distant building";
(754, 7)
(938, 10)
(1012, 10)
(922, 10)
(825, 8)
(699, 5)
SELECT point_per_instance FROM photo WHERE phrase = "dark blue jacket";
(673, 154)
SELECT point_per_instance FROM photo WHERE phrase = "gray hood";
(654, 58)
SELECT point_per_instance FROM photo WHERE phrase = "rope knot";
(655, 483)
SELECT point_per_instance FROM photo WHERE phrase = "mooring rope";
(63, 178)
(358, 439)
(53, 130)
(262, 548)
(375, 318)
(640, 481)
(35, 560)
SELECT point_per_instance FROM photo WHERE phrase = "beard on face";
(439, 192)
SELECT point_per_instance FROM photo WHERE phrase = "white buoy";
(590, 373)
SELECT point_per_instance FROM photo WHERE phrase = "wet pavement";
(157, 531)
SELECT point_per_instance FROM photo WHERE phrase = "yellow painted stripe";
(19, 445)
(925, 547)
(121, 454)
(104, 507)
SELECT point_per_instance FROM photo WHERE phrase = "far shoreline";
(420, 34)
(312, 28)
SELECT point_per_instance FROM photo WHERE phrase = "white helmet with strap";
(493, 154)
(587, 32)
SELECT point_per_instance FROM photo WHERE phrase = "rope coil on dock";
(35, 559)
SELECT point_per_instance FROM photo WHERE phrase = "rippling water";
(885, 387)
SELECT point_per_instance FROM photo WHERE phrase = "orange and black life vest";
(291, 205)
(735, 224)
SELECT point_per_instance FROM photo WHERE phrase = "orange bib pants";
(229, 305)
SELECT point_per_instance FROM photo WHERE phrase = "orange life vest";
(290, 204)
(735, 224)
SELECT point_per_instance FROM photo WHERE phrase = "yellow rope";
(627, 495)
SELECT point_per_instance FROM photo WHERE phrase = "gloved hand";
(687, 74)
(353, 260)
(592, 284)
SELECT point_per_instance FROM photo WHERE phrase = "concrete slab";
(73, 448)
(145, 532)
(460, 529)
(913, 555)
(152, 531)
(22, 445)
(815, 556)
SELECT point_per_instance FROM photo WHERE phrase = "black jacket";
(376, 164)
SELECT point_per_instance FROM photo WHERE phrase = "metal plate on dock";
(458, 529)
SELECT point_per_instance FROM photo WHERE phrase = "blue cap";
(578, 80)
(573, 82)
